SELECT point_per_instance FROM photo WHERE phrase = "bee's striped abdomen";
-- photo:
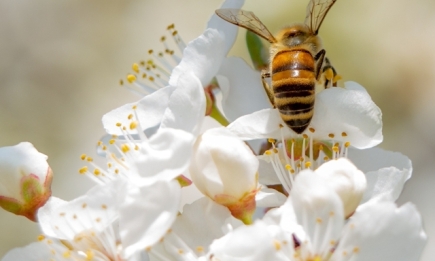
(293, 83)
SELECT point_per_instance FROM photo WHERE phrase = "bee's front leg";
(266, 74)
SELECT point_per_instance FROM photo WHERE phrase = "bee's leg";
(266, 74)
(319, 57)
(331, 76)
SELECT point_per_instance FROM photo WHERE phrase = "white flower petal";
(164, 156)
(346, 180)
(251, 243)
(386, 172)
(147, 213)
(229, 30)
(319, 210)
(186, 108)
(95, 210)
(267, 174)
(245, 93)
(202, 57)
(223, 165)
(203, 213)
(37, 251)
(348, 110)
(382, 232)
(150, 110)
(259, 125)
(267, 197)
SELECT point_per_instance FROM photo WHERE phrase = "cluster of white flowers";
(177, 189)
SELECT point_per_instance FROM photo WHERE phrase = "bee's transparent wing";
(316, 12)
(246, 19)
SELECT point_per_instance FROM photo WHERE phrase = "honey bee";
(296, 62)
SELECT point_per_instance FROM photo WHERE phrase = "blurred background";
(61, 61)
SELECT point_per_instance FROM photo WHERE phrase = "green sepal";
(258, 52)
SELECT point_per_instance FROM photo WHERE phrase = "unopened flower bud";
(225, 169)
(346, 180)
(25, 179)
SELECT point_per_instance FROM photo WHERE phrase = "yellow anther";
(133, 125)
(116, 171)
(150, 61)
(356, 250)
(307, 164)
(281, 126)
(320, 147)
(151, 78)
(114, 136)
(275, 150)
(136, 147)
(171, 26)
(163, 38)
(150, 51)
(89, 159)
(142, 63)
(277, 245)
(104, 206)
(271, 140)
(104, 147)
(180, 251)
(66, 254)
(121, 82)
(118, 124)
(337, 78)
(125, 148)
(200, 249)
(332, 242)
(329, 74)
(134, 107)
(335, 148)
(97, 172)
(111, 141)
(331, 214)
(144, 75)
(292, 171)
(130, 116)
(336, 144)
(293, 141)
(124, 128)
(344, 134)
(131, 78)
(83, 170)
(161, 55)
(325, 158)
(347, 144)
(268, 152)
(99, 143)
(83, 156)
(311, 130)
(317, 258)
(135, 67)
(41, 237)
(174, 33)
(288, 167)
(331, 135)
(90, 255)
(109, 165)
(305, 136)
(319, 220)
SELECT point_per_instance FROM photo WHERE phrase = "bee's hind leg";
(331, 76)
(266, 74)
